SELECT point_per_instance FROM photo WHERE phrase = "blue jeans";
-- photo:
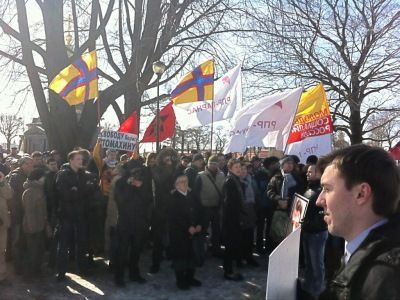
(314, 249)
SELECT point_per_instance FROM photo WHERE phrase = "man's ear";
(363, 193)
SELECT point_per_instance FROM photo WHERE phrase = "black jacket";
(233, 210)
(313, 221)
(274, 189)
(73, 189)
(183, 212)
(373, 271)
(132, 207)
(191, 173)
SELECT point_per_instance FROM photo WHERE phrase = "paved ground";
(160, 286)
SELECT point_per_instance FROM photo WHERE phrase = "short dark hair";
(311, 160)
(373, 165)
(268, 161)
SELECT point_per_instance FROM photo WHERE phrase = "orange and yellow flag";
(78, 82)
(198, 85)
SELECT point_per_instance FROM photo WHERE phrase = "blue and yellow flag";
(78, 82)
(197, 85)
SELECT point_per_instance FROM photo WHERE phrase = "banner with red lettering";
(313, 126)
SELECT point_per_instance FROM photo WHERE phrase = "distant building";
(34, 138)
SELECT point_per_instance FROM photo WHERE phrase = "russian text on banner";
(265, 123)
(312, 128)
(118, 140)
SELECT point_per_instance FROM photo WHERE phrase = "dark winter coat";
(16, 181)
(183, 212)
(191, 173)
(373, 271)
(51, 197)
(132, 208)
(274, 189)
(73, 189)
(233, 212)
(164, 178)
(313, 221)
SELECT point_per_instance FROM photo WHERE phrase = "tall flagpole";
(212, 124)
(212, 116)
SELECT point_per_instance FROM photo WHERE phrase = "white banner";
(118, 140)
(283, 269)
(265, 123)
(316, 145)
(227, 99)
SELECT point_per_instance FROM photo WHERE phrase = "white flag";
(266, 123)
(315, 145)
(227, 99)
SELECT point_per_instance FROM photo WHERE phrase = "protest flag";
(130, 124)
(312, 127)
(227, 99)
(197, 85)
(265, 123)
(167, 126)
(78, 82)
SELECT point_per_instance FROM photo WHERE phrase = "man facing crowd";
(360, 197)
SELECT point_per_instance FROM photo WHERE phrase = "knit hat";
(286, 159)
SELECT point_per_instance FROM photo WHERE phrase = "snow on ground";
(160, 286)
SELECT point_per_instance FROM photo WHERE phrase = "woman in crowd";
(249, 218)
(184, 224)
(233, 213)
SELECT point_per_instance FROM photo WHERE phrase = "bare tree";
(339, 141)
(128, 35)
(384, 128)
(10, 127)
(220, 139)
(352, 46)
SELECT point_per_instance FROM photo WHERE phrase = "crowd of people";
(186, 207)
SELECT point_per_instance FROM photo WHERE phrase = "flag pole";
(212, 118)
(293, 121)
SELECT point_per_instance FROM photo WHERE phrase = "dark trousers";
(232, 251)
(247, 243)
(128, 252)
(213, 215)
(53, 244)
(113, 245)
(78, 232)
(264, 218)
(159, 234)
(35, 250)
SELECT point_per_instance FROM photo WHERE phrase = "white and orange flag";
(312, 127)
